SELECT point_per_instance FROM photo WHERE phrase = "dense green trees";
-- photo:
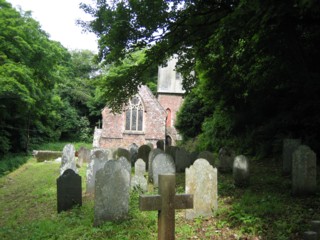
(44, 90)
(256, 76)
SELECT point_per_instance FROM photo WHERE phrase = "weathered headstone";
(226, 157)
(69, 191)
(162, 164)
(194, 157)
(143, 153)
(152, 155)
(183, 160)
(140, 167)
(83, 155)
(202, 182)
(139, 183)
(289, 146)
(98, 158)
(160, 144)
(241, 174)
(166, 203)
(171, 150)
(68, 160)
(207, 156)
(42, 155)
(304, 171)
(121, 152)
(125, 164)
(133, 149)
(111, 193)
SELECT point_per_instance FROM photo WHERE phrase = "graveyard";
(263, 208)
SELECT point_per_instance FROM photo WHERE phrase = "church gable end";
(143, 120)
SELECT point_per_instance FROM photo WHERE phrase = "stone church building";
(146, 118)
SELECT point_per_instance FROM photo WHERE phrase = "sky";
(58, 19)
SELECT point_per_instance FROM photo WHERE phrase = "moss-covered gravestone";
(69, 191)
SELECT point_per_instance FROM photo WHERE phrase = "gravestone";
(310, 235)
(160, 144)
(68, 160)
(165, 203)
(152, 155)
(133, 149)
(125, 164)
(69, 191)
(202, 182)
(42, 155)
(139, 183)
(315, 227)
(183, 160)
(304, 171)
(289, 146)
(83, 155)
(162, 164)
(143, 153)
(241, 175)
(207, 156)
(121, 152)
(171, 150)
(194, 157)
(111, 193)
(226, 157)
(98, 158)
(140, 167)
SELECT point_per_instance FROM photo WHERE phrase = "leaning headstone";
(241, 175)
(83, 155)
(226, 157)
(140, 167)
(98, 158)
(143, 153)
(160, 144)
(111, 193)
(207, 156)
(162, 164)
(69, 191)
(133, 149)
(68, 160)
(289, 146)
(183, 160)
(304, 171)
(202, 182)
(152, 155)
(125, 164)
(150, 145)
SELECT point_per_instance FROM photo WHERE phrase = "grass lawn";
(265, 210)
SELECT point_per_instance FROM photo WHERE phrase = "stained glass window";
(134, 115)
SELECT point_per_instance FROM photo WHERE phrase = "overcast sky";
(57, 18)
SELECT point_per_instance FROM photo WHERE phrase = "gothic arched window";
(134, 115)
(168, 121)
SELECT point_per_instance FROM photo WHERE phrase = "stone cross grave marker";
(166, 202)
(69, 191)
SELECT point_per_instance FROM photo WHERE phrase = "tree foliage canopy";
(255, 63)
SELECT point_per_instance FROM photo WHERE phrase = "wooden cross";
(166, 202)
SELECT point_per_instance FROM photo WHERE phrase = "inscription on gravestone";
(69, 191)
